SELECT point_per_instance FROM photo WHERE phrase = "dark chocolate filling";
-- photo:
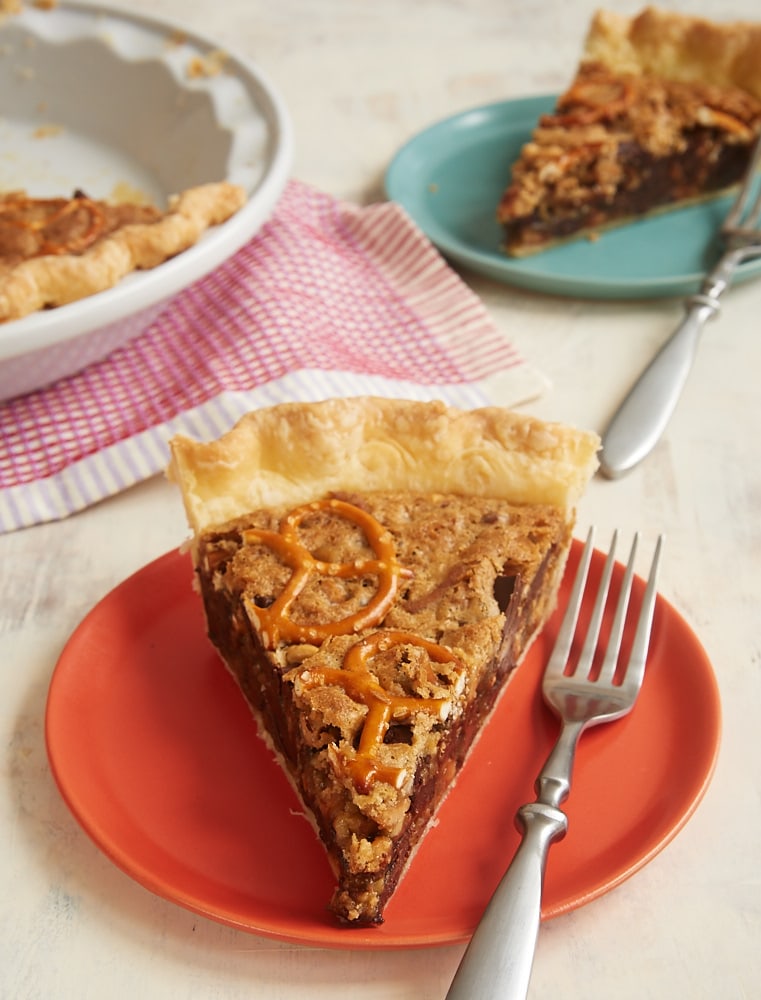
(649, 182)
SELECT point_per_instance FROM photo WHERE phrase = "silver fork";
(642, 417)
(497, 963)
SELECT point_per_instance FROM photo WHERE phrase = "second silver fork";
(497, 963)
(645, 412)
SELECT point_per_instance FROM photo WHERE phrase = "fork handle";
(497, 963)
(642, 417)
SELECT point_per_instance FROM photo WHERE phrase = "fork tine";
(586, 658)
(737, 213)
(635, 668)
(562, 648)
(613, 648)
(749, 224)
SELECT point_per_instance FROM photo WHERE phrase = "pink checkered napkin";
(329, 299)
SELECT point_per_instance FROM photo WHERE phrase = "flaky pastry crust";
(294, 452)
(57, 279)
(678, 46)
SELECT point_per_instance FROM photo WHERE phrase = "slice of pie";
(58, 250)
(663, 111)
(372, 571)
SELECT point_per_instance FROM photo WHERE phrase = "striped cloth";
(329, 299)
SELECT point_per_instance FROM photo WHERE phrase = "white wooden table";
(359, 80)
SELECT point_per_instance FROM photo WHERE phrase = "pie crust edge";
(294, 452)
(678, 47)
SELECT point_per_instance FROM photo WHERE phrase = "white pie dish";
(102, 100)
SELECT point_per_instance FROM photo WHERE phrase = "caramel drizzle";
(383, 708)
(592, 100)
(20, 212)
(274, 622)
(354, 676)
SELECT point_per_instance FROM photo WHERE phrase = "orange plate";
(156, 754)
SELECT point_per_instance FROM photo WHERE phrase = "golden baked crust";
(370, 618)
(50, 279)
(678, 46)
(663, 111)
(296, 451)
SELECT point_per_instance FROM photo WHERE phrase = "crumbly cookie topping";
(375, 667)
(574, 155)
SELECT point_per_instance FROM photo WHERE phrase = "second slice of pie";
(663, 111)
(372, 571)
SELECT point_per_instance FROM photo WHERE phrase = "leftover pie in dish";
(58, 250)
(372, 571)
(663, 111)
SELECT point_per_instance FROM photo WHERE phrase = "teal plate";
(450, 177)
